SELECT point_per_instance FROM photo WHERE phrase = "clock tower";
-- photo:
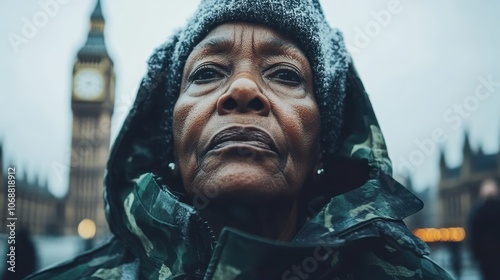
(92, 102)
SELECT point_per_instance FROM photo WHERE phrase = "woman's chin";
(242, 181)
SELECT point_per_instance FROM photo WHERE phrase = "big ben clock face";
(88, 85)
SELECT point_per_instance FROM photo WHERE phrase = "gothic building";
(92, 103)
(36, 208)
(459, 186)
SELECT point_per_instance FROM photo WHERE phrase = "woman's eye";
(205, 75)
(287, 76)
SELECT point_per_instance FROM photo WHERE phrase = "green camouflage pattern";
(355, 235)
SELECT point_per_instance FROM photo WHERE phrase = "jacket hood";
(145, 207)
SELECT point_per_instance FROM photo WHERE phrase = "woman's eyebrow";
(276, 46)
(214, 46)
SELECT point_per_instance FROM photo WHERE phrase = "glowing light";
(86, 229)
(454, 234)
(445, 233)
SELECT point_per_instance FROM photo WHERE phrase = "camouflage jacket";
(358, 234)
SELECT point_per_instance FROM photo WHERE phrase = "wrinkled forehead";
(258, 38)
(244, 32)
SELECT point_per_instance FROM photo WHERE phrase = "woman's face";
(246, 124)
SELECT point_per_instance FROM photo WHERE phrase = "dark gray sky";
(430, 67)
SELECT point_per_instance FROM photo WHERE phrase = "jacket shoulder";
(106, 261)
(383, 261)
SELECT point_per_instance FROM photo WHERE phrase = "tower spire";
(95, 45)
(467, 147)
(467, 155)
(97, 13)
(443, 167)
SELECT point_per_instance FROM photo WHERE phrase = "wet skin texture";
(246, 124)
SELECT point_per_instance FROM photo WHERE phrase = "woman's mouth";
(243, 137)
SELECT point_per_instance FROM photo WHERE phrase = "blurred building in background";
(36, 208)
(443, 221)
(458, 186)
(81, 211)
(449, 203)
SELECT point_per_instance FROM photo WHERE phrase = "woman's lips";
(251, 143)
(250, 136)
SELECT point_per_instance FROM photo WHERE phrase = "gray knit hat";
(300, 20)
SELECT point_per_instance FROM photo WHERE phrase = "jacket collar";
(170, 237)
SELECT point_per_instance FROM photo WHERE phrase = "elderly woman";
(252, 152)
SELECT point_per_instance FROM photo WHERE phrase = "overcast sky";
(430, 67)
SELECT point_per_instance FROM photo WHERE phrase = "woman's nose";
(243, 96)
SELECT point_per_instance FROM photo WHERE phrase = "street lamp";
(87, 230)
